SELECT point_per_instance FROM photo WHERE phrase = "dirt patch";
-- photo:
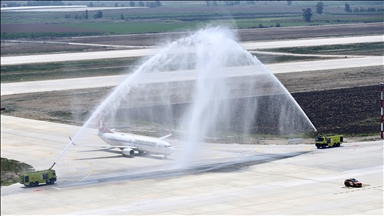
(331, 79)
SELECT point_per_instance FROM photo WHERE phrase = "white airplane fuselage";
(129, 142)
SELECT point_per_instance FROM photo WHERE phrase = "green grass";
(135, 27)
(367, 122)
(31, 17)
(63, 70)
(350, 49)
(10, 169)
(33, 35)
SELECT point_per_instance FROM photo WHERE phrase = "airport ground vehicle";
(323, 141)
(32, 179)
(352, 182)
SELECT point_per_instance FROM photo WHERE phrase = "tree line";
(307, 13)
(347, 8)
(98, 15)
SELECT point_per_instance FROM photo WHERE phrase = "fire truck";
(34, 178)
(324, 141)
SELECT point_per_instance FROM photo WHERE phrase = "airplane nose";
(171, 149)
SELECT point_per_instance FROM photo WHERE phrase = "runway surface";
(13, 60)
(226, 179)
(107, 81)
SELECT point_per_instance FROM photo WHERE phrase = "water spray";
(208, 53)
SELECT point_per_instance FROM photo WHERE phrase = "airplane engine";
(128, 152)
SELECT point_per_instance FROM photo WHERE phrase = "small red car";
(352, 182)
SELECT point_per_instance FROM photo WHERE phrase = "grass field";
(136, 27)
(181, 17)
(63, 70)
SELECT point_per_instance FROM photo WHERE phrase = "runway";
(221, 178)
(14, 60)
(108, 81)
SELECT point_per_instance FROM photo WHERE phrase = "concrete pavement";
(255, 180)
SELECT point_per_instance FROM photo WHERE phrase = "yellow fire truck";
(324, 141)
(32, 179)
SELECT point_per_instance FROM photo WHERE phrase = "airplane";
(129, 143)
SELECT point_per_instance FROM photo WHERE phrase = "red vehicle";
(352, 182)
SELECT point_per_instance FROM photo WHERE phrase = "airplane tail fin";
(102, 127)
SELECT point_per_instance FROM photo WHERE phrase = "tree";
(307, 14)
(98, 15)
(132, 3)
(90, 4)
(289, 2)
(86, 14)
(319, 7)
(141, 4)
(347, 7)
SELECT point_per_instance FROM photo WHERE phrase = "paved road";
(107, 81)
(221, 179)
(12, 60)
